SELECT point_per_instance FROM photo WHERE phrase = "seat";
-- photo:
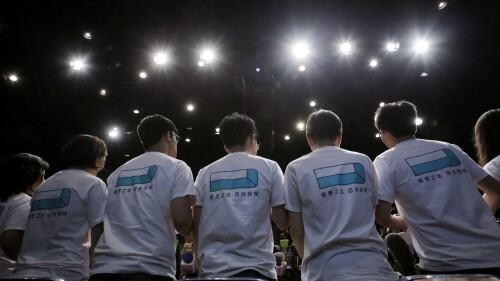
(451, 277)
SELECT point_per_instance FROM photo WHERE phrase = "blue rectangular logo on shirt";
(247, 178)
(52, 199)
(136, 176)
(433, 161)
(344, 174)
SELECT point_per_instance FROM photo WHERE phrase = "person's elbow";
(280, 217)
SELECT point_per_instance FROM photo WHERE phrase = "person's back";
(434, 187)
(232, 209)
(63, 210)
(330, 194)
(148, 199)
(139, 235)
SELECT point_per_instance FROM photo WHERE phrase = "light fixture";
(188, 140)
(381, 104)
(190, 107)
(346, 48)
(302, 68)
(421, 46)
(201, 63)
(143, 75)
(419, 121)
(13, 78)
(287, 137)
(424, 74)
(392, 46)
(300, 126)
(136, 111)
(217, 131)
(300, 50)
(113, 133)
(312, 104)
(442, 5)
(377, 135)
(87, 35)
(373, 63)
(102, 92)
(160, 58)
(257, 69)
(207, 56)
(77, 64)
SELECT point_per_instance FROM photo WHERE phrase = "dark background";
(51, 103)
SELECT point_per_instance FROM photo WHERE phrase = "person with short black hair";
(64, 209)
(149, 198)
(330, 196)
(21, 175)
(434, 185)
(234, 197)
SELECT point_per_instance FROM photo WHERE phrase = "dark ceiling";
(50, 103)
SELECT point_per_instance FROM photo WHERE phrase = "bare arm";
(280, 216)
(180, 208)
(297, 231)
(95, 234)
(11, 241)
(491, 189)
(383, 216)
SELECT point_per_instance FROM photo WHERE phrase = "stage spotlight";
(143, 75)
(217, 131)
(442, 4)
(302, 68)
(381, 104)
(136, 111)
(77, 64)
(287, 137)
(373, 63)
(188, 140)
(257, 69)
(160, 58)
(301, 126)
(346, 48)
(392, 46)
(102, 92)
(312, 104)
(13, 78)
(190, 107)
(377, 135)
(424, 74)
(419, 121)
(113, 133)
(300, 50)
(201, 64)
(87, 35)
(421, 46)
(207, 56)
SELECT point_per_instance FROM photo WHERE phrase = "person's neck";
(402, 139)
(158, 148)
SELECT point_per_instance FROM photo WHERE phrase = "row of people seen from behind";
(326, 198)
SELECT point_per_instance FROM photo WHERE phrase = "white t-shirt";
(236, 193)
(139, 234)
(493, 168)
(336, 190)
(63, 210)
(13, 216)
(433, 185)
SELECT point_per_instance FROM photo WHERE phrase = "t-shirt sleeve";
(96, 203)
(386, 187)
(475, 171)
(17, 215)
(493, 168)
(292, 196)
(183, 181)
(277, 191)
(199, 186)
(372, 180)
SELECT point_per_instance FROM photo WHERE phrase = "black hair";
(487, 136)
(323, 125)
(151, 129)
(19, 172)
(397, 118)
(235, 129)
(82, 151)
